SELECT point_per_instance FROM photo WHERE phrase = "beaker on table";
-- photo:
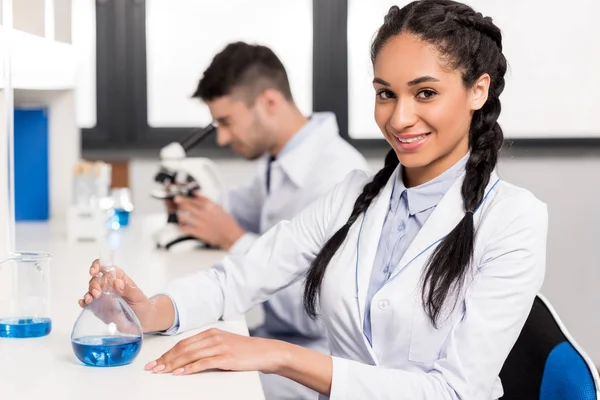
(25, 295)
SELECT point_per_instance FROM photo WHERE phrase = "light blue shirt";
(407, 213)
(309, 127)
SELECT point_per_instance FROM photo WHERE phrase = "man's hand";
(203, 219)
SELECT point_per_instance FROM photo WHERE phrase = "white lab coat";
(409, 359)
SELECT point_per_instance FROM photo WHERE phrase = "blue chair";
(546, 364)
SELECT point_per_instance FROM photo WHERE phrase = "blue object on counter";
(122, 217)
(107, 351)
(119, 219)
(31, 164)
(24, 327)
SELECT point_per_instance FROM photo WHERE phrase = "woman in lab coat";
(423, 274)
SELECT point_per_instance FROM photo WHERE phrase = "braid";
(480, 23)
(485, 134)
(486, 139)
(317, 269)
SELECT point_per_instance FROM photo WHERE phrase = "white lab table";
(41, 367)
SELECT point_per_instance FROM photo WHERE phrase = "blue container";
(31, 165)
(24, 327)
(24, 298)
(107, 351)
(121, 217)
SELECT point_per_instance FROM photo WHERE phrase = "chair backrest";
(545, 363)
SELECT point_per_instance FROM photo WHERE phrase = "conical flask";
(107, 333)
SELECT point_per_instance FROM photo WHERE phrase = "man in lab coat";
(247, 91)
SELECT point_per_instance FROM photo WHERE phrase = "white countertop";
(36, 368)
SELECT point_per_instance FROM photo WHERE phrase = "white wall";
(28, 16)
(64, 152)
(183, 36)
(63, 14)
(83, 36)
(553, 53)
(573, 268)
(6, 217)
(5, 225)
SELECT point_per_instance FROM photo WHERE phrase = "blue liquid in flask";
(25, 327)
(107, 351)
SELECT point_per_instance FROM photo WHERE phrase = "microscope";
(180, 175)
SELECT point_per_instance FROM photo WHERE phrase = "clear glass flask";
(107, 333)
(25, 295)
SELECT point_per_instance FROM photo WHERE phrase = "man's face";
(240, 126)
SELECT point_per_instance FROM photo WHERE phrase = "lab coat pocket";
(426, 341)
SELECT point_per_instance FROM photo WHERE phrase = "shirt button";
(384, 304)
(400, 227)
(386, 269)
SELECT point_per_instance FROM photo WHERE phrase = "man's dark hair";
(251, 68)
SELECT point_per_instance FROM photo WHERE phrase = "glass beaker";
(107, 333)
(25, 295)
(122, 207)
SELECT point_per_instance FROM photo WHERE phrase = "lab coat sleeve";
(245, 205)
(278, 258)
(497, 303)
(175, 326)
(243, 244)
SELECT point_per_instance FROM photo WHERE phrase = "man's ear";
(271, 100)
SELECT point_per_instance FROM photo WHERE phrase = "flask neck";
(107, 278)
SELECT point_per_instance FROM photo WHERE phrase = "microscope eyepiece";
(198, 135)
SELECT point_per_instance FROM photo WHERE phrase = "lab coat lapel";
(447, 214)
(368, 241)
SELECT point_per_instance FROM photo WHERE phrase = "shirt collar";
(429, 194)
(299, 152)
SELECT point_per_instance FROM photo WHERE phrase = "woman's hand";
(217, 349)
(154, 314)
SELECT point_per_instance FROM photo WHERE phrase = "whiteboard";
(183, 36)
(553, 51)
